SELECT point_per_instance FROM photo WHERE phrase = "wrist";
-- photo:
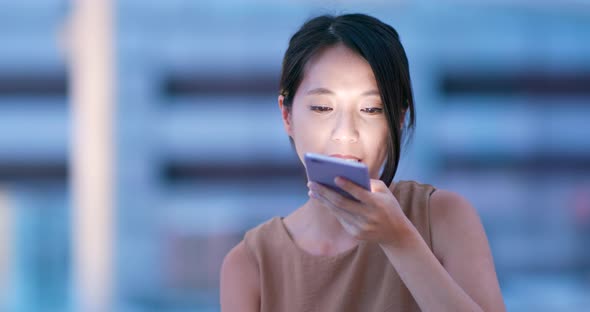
(404, 236)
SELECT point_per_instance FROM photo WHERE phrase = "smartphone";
(324, 169)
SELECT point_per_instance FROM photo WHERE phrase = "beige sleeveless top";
(359, 279)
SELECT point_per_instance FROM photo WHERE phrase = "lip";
(346, 157)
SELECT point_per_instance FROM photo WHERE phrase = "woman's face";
(337, 110)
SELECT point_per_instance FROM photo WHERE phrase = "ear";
(286, 115)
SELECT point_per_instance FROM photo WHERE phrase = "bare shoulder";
(239, 282)
(451, 212)
(453, 220)
(450, 200)
(460, 243)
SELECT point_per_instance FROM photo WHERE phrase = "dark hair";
(379, 44)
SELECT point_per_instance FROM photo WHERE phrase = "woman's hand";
(376, 216)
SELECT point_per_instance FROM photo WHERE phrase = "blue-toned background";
(502, 90)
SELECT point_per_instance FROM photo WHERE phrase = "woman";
(403, 246)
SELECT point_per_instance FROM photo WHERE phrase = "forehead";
(338, 68)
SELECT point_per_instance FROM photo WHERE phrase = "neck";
(319, 222)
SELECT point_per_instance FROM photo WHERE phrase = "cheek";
(307, 134)
(375, 143)
(376, 133)
(305, 124)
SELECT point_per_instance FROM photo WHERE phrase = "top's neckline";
(304, 254)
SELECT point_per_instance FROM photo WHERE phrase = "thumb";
(378, 186)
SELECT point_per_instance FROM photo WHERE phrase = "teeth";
(352, 160)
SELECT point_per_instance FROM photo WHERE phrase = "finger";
(380, 186)
(354, 189)
(336, 199)
(348, 221)
(322, 194)
(352, 223)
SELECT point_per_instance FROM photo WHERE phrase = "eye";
(373, 110)
(319, 108)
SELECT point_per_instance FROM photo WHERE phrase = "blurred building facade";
(503, 97)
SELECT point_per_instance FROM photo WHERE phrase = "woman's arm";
(458, 276)
(461, 277)
(240, 287)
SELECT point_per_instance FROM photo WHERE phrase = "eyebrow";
(321, 91)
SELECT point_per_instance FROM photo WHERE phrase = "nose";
(345, 130)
